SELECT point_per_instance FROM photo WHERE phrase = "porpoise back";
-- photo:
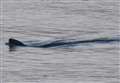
(14, 42)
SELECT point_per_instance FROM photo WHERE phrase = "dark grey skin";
(12, 43)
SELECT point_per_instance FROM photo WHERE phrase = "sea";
(49, 20)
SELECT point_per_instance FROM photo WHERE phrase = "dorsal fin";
(14, 42)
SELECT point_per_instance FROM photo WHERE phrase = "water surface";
(42, 20)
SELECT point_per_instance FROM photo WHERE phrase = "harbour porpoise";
(12, 43)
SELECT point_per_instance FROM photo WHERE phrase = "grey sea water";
(49, 20)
